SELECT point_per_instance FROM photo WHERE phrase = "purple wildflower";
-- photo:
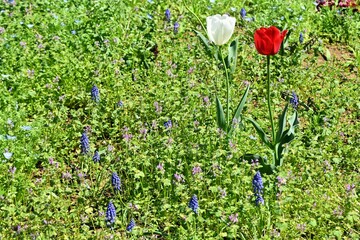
(158, 108)
(349, 188)
(127, 137)
(66, 175)
(160, 167)
(196, 170)
(178, 177)
(234, 218)
(12, 170)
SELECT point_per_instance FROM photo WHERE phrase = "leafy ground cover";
(153, 122)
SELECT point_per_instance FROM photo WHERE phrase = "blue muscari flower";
(73, 32)
(168, 124)
(167, 15)
(95, 94)
(194, 204)
(115, 181)
(110, 213)
(294, 100)
(301, 37)
(259, 199)
(131, 225)
(176, 27)
(120, 104)
(96, 157)
(243, 12)
(257, 184)
(85, 143)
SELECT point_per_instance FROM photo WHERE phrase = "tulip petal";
(220, 28)
(268, 40)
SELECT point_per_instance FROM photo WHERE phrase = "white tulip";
(220, 28)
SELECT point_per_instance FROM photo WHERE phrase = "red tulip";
(268, 40)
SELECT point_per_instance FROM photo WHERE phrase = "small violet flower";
(234, 218)
(196, 170)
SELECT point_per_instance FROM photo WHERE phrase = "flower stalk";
(268, 98)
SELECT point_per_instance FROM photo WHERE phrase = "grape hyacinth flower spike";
(301, 38)
(95, 94)
(258, 188)
(116, 182)
(96, 157)
(85, 143)
(111, 213)
(167, 15)
(294, 100)
(258, 183)
(131, 225)
(176, 27)
(243, 13)
(194, 204)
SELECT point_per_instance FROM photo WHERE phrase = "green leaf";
(232, 57)
(207, 45)
(240, 108)
(220, 116)
(294, 121)
(261, 133)
(282, 124)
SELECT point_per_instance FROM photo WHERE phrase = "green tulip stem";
(227, 91)
(268, 99)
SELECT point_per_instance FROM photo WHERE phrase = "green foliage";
(49, 190)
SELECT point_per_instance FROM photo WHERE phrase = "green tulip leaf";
(261, 133)
(282, 124)
(207, 45)
(232, 57)
(240, 108)
(220, 116)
